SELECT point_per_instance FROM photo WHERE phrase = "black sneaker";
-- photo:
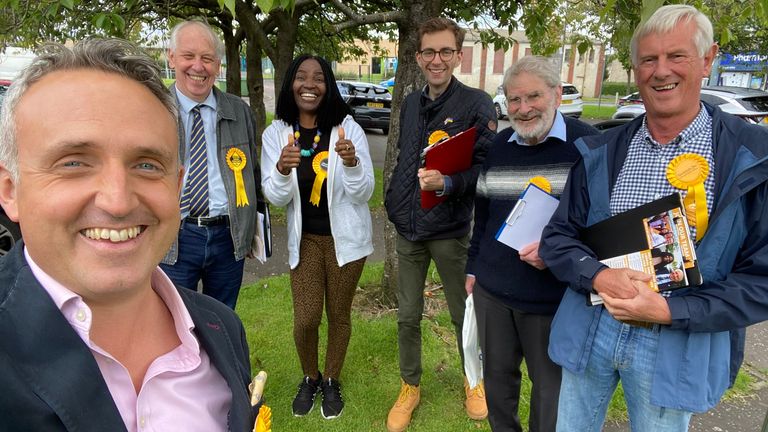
(333, 404)
(305, 396)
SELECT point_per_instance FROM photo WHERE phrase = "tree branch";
(356, 20)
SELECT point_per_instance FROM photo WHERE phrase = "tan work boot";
(400, 415)
(475, 404)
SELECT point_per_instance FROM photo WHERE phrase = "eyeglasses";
(429, 54)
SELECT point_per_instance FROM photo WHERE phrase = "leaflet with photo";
(666, 250)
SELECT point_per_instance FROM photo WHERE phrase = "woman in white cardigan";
(315, 162)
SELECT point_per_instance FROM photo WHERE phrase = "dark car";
(370, 103)
(630, 99)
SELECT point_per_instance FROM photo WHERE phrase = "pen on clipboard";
(517, 210)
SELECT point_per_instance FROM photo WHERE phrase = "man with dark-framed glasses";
(444, 107)
(446, 54)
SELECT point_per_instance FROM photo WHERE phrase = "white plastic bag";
(473, 358)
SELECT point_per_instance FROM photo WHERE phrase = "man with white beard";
(515, 295)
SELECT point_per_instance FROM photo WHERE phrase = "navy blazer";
(49, 379)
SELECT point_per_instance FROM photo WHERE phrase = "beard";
(535, 130)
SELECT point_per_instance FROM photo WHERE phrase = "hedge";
(611, 88)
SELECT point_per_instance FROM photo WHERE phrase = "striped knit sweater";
(506, 172)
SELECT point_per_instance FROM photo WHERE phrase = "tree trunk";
(407, 79)
(287, 34)
(255, 81)
(232, 45)
(629, 81)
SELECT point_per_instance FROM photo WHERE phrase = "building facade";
(483, 67)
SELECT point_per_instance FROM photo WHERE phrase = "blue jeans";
(619, 352)
(207, 254)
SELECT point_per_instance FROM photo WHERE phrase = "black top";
(507, 170)
(456, 110)
(314, 218)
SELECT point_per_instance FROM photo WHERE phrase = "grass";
(592, 111)
(370, 379)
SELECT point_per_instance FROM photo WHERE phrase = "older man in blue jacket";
(675, 352)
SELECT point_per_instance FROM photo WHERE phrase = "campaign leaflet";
(670, 257)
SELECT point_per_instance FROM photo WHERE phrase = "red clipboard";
(449, 157)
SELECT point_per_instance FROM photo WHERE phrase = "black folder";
(626, 233)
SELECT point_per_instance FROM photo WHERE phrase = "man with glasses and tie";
(218, 203)
(440, 233)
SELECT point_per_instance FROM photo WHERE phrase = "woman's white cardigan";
(349, 189)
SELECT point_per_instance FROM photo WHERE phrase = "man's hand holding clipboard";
(447, 157)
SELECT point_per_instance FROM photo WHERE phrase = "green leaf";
(266, 6)
(69, 4)
(725, 35)
(230, 5)
(649, 7)
(289, 6)
(118, 23)
(583, 46)
(52, 10)
(99, 19)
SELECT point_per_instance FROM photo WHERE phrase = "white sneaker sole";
(329, 417)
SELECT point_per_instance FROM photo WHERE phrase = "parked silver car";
(749, 104)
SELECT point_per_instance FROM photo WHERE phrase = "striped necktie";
(195, 197)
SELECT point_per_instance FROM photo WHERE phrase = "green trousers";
(450, 256)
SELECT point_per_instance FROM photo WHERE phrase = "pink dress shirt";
(181, 391)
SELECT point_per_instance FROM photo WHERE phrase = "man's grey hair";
(539, 66)
(218, 45)
(666, 19)
(108, 55)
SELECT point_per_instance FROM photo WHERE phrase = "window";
(569, 90)
(466, 61)
(498, 62)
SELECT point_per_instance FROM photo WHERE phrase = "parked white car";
(749, 104)
(570, 104)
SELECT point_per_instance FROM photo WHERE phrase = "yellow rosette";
(437, 136)
(236, 162)
(264, 420)
(541, 182)
(689, 171)
(320, 166)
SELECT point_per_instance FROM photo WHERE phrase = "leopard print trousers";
(316, 281)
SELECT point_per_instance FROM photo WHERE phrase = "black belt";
(208, 221)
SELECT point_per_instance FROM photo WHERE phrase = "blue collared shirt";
(556, 131)
(217, 204)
